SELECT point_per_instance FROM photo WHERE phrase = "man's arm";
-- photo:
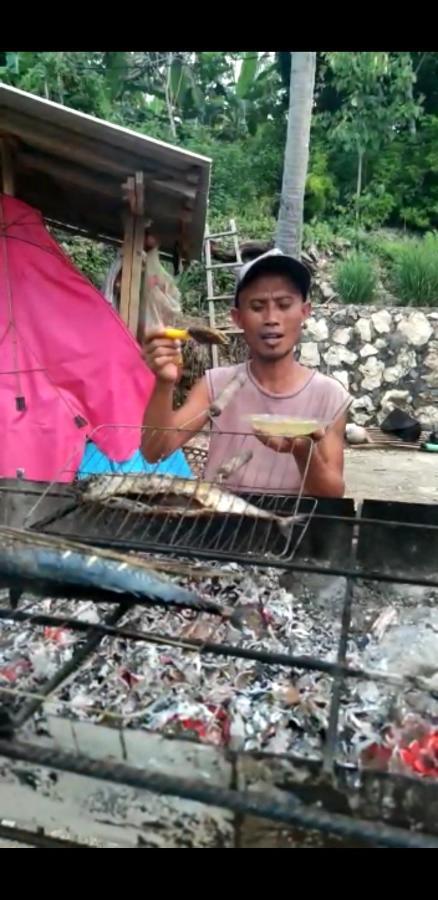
(325, 475)
(164, 359)
(190, 418)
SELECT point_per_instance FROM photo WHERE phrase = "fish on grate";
(48, 560)
(150, 495)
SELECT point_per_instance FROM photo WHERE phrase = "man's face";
(271, 313)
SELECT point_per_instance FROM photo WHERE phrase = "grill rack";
(227, 527)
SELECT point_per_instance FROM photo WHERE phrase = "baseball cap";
(273, 261)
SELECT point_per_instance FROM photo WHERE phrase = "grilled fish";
(47, 560)
(168, 495)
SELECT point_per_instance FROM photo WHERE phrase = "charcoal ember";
(249, 617)
(230, 701)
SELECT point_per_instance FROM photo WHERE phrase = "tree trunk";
(168, 94)
(360, 155)
(296, 157)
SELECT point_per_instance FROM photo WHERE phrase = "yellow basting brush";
(202, 334)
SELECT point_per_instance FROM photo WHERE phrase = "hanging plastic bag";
(161, 297)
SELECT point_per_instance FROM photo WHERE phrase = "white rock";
(431, 360)
(382, 321)
(342, 376)
(364, 330)
(339, 355)
(367, 350)
(355, 434)
(317, 329)
(380, 344)
(309, 355)
(416, 329)
(342, 335)
(362, 418)
(428, 415)
(432, 378)
(364, 402)
(407, 360)
(395, 398)
(372, 370)
(392, 374)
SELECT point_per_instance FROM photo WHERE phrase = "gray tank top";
(321, 397)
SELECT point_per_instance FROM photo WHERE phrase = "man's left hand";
(290, 444)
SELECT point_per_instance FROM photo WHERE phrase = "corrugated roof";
(71, 166)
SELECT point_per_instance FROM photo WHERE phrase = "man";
(271, 305)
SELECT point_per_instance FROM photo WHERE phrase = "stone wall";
(385, 357)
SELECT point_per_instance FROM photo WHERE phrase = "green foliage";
(355, 279)
(381, 106)
(321, 190)
(415, 271)
(92, 258)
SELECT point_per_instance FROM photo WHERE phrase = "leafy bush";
(415, 272)
(355, 279)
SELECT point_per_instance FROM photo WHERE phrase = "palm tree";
(296, 156)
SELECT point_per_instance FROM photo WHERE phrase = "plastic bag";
(160, 295)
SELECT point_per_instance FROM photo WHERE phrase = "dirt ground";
(406, 475)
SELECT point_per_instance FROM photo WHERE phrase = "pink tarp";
(66, 352)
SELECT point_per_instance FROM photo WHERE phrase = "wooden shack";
(103, 181)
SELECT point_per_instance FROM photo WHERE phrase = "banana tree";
(296, 157)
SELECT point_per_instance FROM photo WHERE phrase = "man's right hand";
(163, 356)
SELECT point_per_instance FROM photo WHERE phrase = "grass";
(414, 272)
(356, 279)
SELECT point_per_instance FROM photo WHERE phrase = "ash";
(238, 703)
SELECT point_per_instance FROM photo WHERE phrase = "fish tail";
(286, 524)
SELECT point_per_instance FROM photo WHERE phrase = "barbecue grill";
(131, 787)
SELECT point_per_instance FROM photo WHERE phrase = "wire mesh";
(153, 508)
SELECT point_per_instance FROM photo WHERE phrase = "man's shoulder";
(218, 378)
(329, 383)
(333, 394)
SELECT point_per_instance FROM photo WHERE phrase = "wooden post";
(8, 182)
(132, 253)
(210, 295)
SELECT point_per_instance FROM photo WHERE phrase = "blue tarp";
(94, 462)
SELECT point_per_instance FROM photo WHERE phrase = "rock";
(432, 378)
(364, 402)
(363, 330)
(428, 415)
(309, 354)
(392, 374)
(368, 350)
(342, 376)
(372, 370)
(431, 360)
(362, 418)
(380, 344)
(355, 434)
(407, 360)
(342, 335)
(317, 329)
(327, 291)
(382, 321)
(416, 329)
(395, 398)
(339, 355)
